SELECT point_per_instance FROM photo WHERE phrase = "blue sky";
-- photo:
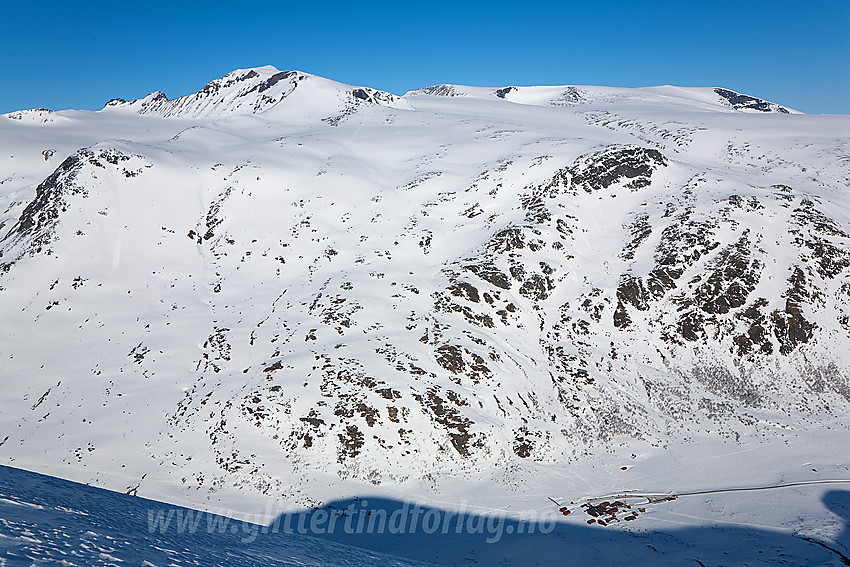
(80, 54)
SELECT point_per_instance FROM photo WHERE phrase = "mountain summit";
(253, 91)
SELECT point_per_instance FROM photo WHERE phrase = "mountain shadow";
(47, 520)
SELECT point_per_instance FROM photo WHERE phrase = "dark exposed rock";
(682, 244)
(350, 443)
(444, 304)
(503, 92)
(522, 446)
(536, 287)
(729, 276)
(640, 230)
(827, 243)
(450, 357)
(368, 413)
(213, 87)
(447, 415)
(739, 101)
(517, 270)
(756, 336)
(507, 240)
(790, 327)
(690, 326)
(488, 272)
(465, 290)
(19, 115)
(35, 228)
(733, 276)
(571, 95)
(43, 211)
(614, 164)
(536, 211)
(630, 291)
(438, 90)
(389, 393)
(365, 94)
(274, 79)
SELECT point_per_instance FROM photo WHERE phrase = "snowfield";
(283, 294)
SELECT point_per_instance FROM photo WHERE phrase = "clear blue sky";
(79, 54)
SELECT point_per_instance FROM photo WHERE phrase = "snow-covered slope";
(284, 289)
(48, 521)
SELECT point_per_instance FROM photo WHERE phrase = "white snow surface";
(283, 291)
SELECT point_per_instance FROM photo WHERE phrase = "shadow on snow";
(45, 519)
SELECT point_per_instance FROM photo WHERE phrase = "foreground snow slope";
(45, 520)
(282, 290)
(48, 521)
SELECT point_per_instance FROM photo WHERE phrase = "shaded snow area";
(283, 295)
(49, 521)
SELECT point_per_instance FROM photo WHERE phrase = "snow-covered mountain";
(282, 288)
(252, 91)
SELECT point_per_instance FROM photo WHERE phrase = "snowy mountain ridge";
(700, 97)
(284, 288)
(251, 91)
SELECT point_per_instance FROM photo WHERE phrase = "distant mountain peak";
(253, 91)
(569, 95)
(34, 115)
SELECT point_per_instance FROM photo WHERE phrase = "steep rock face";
(745, 102)
(35, 229)
(40, 216)
(400, 295)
